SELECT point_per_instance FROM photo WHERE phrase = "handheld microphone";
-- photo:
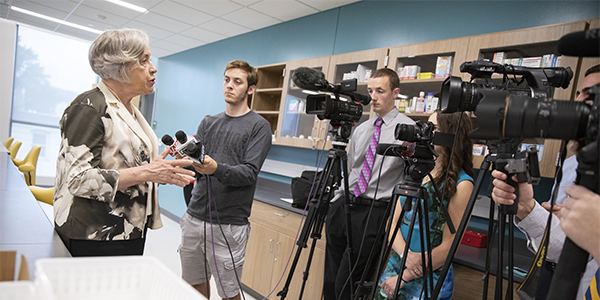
(169, 142)
(405, 149)
(191, 148)
(310, 79)
(582, 43)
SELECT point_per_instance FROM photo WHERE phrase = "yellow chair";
(29, 164)
(8, 142)
(41, 194)
(12, 151)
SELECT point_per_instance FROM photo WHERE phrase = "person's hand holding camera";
(504, 194)
(581, 219)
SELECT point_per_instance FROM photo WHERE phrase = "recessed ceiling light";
(55, 20)
(128, 5)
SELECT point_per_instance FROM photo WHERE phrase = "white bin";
(18, 290)
(117, 277)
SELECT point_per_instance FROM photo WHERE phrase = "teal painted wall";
(189, 84)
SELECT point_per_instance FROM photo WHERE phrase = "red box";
(474, 239)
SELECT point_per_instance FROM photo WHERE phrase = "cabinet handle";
(280, 214)
(277, 251)
(271, 245)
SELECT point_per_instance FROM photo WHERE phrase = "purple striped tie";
(365, 174)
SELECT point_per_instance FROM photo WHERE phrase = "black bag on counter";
(301, 187)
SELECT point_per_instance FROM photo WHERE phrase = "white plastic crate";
(117, 277)
(17, 290)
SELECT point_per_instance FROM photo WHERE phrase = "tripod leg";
(407, 202)
(428, 269)
(491, 230)
(511, 255)
(365, 287)
(386, 249)
(314, 220)
(500, 265)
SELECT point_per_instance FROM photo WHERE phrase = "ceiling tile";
(250, 18)
(82, 34)
(40, 9)
(168, 46)
(147, 4)
(184, 41)
(182, 13)
(62, 5)
(203, 35)
(224, 27)
(216, 8)
(32, 21)
(246, 2)
(87, 22)
(149, 29)
(91, 13)
(284, 10)
(163, 22)
(158, 52)
(112, 8)
(326, 5)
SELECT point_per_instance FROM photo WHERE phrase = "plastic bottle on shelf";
(420, 107)
(434, 103)
(428, 103)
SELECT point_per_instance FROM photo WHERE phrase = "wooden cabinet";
(296, 127)
(271, 250)
(267, 98)
(276, 96)
(426, 55)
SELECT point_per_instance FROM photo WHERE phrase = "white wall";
(8, 39)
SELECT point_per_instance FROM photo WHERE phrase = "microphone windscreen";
(167, 140)
(181, 136)
(582, 43)
(309, 79)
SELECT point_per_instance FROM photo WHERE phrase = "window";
(50, 70)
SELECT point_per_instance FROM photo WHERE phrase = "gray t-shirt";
(239, 145)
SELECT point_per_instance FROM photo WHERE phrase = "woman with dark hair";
(108, 165)
(455, 190)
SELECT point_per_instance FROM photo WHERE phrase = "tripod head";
(341, 130)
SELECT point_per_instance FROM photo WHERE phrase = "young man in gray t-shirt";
(215, 228)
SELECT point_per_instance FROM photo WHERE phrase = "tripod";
(319, 203)
(525, 166)
(416, 168)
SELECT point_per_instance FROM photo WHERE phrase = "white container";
(420, 107)
(117, 277)
(18, 290)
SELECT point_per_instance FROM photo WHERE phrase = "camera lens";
(405, 132)
(458, 95)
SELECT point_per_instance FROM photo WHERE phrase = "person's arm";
(581, 219)
(158, 170)
(456, 209)
(83, 140)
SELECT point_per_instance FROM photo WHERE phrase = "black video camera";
(516, 109)
(335, 108)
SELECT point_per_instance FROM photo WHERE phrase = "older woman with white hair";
(108, 165)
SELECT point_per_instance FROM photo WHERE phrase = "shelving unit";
(276, 93)
(267, 98)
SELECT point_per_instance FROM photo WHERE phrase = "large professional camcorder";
(327, 106)
(516, 109)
